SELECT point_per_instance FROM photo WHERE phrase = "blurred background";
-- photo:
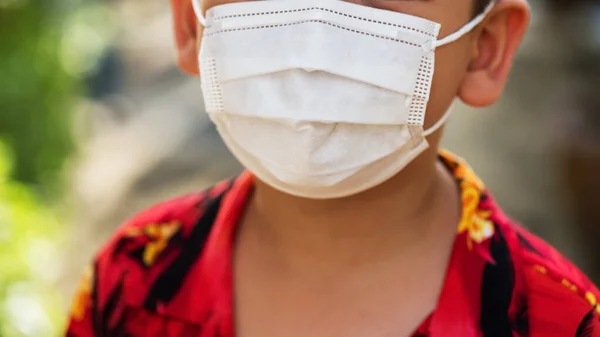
(97, 122)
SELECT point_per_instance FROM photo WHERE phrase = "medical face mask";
(319, 98)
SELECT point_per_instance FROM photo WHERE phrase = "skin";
(342, 264)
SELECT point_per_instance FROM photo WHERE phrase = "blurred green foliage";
(30, 237)
(36, 94)
(47, 48)
(37, 97)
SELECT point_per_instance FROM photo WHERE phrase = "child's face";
(474, 68)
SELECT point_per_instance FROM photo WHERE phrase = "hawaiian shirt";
(168, 272)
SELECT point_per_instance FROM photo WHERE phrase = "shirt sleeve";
(110, 298)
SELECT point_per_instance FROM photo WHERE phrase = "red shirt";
(168, 272)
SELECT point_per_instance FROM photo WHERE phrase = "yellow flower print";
(482, 228)
(591, 298)
(540, 269)
(569, 285)
(159, 235)
(474, 221)
(593, 301)
(82, 300)
(463, 171)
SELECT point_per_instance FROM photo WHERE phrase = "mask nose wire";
(466, 28)
(198, 11)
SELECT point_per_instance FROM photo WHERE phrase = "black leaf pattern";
(588, 325)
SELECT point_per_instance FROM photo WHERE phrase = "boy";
(349, 221)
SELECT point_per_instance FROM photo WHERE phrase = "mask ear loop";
(439, 123)
(466, 28)
(198, 11)
(451, 38)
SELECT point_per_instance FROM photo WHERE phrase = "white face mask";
(319, 98)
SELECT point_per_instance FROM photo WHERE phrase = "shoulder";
(558, 298)
(149, 256)
(145, 238)
(543, 293)
(144, 265)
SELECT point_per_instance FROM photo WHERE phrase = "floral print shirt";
(168, 272)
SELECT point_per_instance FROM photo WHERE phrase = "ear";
(186, 30)
(495, 43)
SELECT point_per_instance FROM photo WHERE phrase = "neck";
(398, 213)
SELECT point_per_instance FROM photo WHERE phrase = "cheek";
(451, 63)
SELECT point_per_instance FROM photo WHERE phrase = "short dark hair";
(479, 6)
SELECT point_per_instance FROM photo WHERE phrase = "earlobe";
(186, 31)
(494, 48)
